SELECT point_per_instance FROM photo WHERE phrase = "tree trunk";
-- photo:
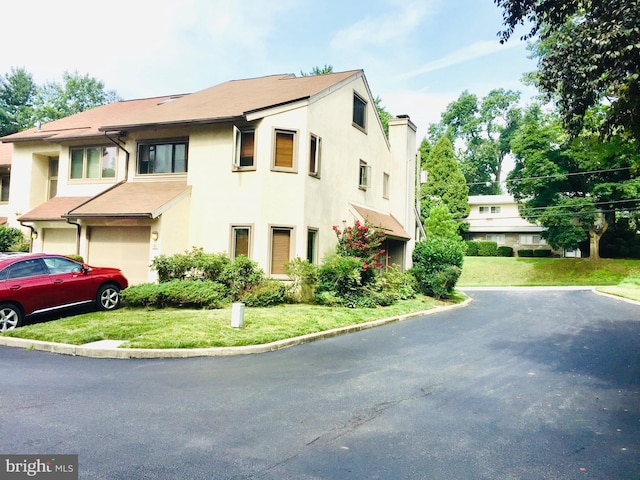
(595, 234)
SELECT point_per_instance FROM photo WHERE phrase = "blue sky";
(417, 55)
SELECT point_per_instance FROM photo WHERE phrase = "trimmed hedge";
(542, 253)
(504, 251)
(471, 248)
(488, 249)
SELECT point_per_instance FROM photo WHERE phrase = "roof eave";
(176, 123)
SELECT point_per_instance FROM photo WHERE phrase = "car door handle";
(57, 280)
(15, 287)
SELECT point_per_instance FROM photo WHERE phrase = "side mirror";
(85, 268)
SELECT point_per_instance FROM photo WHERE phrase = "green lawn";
(171, 328)
(503, 271)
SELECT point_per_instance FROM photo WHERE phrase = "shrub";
(525, 253)
(266, 294)
(472, 248)
(304, 275)
(545, 252)
(432, 262)
(77, 258)
(11, 239)
(488, 249)
(192, 264)
(177, 293)
(504, 251)
(361, 241)
(341, 275)
(241, 275)
(402, 285)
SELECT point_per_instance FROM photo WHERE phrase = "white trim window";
(92, 162)
(244, 148)
(315, 148)
(531, 239)
(499, 238)
(364, 177)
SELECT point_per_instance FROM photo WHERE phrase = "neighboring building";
(496, 218)
(6, 150)
(262, 167)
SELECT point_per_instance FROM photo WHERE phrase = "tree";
(76, 94)
(318, 71)
(483, 128)
(440, 223)
(445, 182)
(575, 187)
(17, 93)
(588, 54)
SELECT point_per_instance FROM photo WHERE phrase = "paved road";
(519, 385)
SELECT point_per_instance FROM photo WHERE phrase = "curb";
(127, 353)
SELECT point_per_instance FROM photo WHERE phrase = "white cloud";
(470, 52)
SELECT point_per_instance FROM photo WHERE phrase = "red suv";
(33, 283)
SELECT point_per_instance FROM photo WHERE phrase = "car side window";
(61, 265)
(25, 268)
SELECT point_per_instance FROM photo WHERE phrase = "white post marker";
(237, 315)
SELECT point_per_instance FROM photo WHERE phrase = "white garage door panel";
(124, 247)
(59, 240)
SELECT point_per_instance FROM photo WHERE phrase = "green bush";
(265, 294)
(193, 264)
(472, 248)
(340, 275)
(432, 262)
(241, 275)
(504, 251)
(525, 253)
(488, 249)
(401, 285)
(77, 258)
(304, 275)
(11, 239)
(177, 293)
(542, 253)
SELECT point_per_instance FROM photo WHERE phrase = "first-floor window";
(162, 157)
(499, 238)
(385, 185)
(312, 245)
(280, 250)
(531, 239)
(93, 162)
(240, 241)
(4, 187)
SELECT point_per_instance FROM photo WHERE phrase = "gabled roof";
(234, 99)
(132, 199)
(53, 209)
(86, 124)
(223, 102)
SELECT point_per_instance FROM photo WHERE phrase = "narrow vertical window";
(77, 162)
(4, 192)
(284, 149)
(280, 250)
(312, 245)
(240, 241)
(359, 112)
(385, 185)
(244, 148)
(365, 175)
(53, 177)
(314, 155)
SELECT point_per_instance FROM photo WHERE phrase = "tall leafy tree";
(483, 129)
(17, 94)
(575, 187)
(75, 94)
(445, 182)
(317, 71)
(588, 54)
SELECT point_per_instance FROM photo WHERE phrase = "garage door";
(124, 247)
(59, 240)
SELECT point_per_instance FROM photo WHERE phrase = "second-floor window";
(314, 155)
(492, 209)
(93, 162)
(244, 148)
(5, 180)
(365, 175)
(359, 112)
(284, 158)
(168, 156)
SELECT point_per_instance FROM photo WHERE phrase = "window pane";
(109, 162)
(280, 250)
(311, 246)
(359, 111)
(313, 155)
(180, 160)
(247, 143)
(241, 242)
(4, 193)
(77, 158)
(284, 149)
(93, 162)
(144, 158)
(163, 158)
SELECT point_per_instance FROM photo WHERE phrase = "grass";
(170, 328)
(503, 271)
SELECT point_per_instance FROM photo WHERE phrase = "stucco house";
(6, 152)
(262, 167)
(496, 218)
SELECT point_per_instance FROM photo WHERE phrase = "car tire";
(10, 317)
(108, 297)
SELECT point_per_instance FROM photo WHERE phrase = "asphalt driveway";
(518, 385)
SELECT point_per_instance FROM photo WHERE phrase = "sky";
(417, 55)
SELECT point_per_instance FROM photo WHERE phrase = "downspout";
(126, 154)
(33, 231)
(78, 233)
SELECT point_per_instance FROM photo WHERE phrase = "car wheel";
(108, 297)
(10, 317)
